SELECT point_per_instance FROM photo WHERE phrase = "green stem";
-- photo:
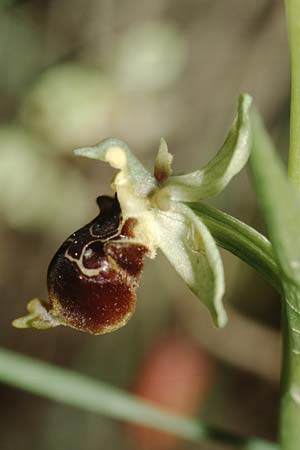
(290, 408)
(293, 18)
(81, 391)
(280, 205)
(241, 240)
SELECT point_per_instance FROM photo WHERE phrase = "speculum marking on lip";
(93, 276)
(93, 255)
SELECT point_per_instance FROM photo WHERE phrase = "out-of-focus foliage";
(69, 105)
(34, 190)
(150, 57)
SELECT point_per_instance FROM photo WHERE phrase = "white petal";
(191, 249)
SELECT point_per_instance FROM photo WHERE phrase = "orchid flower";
(93, 277)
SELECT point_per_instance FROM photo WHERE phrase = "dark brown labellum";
(93, 276)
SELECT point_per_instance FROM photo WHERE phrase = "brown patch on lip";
(94, 304)
(129, 256)
(104, 299)
(128, 228)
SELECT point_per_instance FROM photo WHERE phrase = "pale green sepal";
(118, 155)
(163, 162)
(229, 161)
(191, 249)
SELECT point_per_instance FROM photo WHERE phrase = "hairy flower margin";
(163, 220)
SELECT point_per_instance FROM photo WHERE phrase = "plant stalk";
(293, 20)
(290, 378)
(272, 185)
(290, 398)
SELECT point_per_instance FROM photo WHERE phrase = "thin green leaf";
(281, 207)
(279, 202)
(94, 396)
(191, 249)
(230, 159)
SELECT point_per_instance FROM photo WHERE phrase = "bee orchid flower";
(93, 277)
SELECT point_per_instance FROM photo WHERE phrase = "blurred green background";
(73, 73)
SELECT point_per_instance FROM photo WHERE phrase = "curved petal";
(192, 251)
(119, 156)
(230, 159)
